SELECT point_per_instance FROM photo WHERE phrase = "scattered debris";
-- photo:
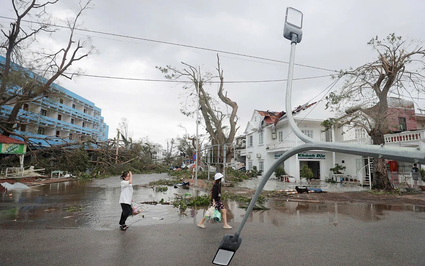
(17, 185)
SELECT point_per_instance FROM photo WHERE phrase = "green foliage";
(161, 189)
(236, 175)
(165, 182)
(422, 172)
(338, 169)
(182, 202)
(306, 172)
(328, 123)
(242, 199)
(280, 171)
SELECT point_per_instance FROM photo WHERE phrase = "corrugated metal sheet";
(7, 140)
(17, 185)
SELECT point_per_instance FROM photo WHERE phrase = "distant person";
(126, 198)
(415, 173)
(216, 202)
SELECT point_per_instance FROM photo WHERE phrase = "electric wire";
(177, 44)
(180, 81)
(327, 89)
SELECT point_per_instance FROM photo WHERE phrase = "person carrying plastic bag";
(216, 203)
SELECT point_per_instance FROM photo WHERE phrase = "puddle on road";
(273, 184)
(76, 204)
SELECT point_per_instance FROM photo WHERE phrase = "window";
(307, 132)
(70, 136)
(250, 141)
(260, 138)
(59, 117)
(402, 123)
(249, 165)
(84, 124)
(359, 133)
(25, 107)
(43, 112)
(40, 131)
(84, 110)
(72, 120)
(73, 106)
(280, 135)
(57, 133)
(23, 128)
(328, 135)
(60, 100)
(261, 166)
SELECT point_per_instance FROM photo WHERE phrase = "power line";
(178, 81)
(179, 44)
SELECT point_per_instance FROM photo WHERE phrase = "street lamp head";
(292, 29)
(226, 250)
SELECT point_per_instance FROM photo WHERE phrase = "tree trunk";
(380, 175)
(12, 118)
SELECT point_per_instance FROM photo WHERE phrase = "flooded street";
(94, 204)
(319, 233)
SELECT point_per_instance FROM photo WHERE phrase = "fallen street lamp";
(230, 243)
(227, 249)
(292, 31)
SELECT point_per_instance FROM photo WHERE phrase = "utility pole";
(197, 144)
(117, 144)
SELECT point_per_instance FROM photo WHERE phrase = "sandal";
(123, 227)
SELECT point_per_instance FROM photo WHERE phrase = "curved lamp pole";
(293, 32)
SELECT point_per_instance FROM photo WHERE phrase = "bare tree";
(362, 101)
(220, 125)
(124, 132)
(19, 85)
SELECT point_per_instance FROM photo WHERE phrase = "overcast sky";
(335, 36)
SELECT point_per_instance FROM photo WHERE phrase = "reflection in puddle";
(274, 184)
(76, 204)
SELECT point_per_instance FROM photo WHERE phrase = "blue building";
(60, 118)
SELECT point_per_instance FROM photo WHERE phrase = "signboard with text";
(13, 148)
(311, 155)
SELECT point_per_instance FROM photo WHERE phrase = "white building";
(268, 136)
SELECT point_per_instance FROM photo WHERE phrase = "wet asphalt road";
(288, 234)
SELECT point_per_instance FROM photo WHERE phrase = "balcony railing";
(284, 145)
(366, 141)
(406, 136)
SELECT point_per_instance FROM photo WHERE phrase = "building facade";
(268, 135)
(60, 118)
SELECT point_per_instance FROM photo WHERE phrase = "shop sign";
(311, 156)
(13, 148)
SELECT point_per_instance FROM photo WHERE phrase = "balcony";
(283, 145)
(366, 141)
(406, 137)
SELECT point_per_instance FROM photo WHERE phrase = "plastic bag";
(209, 213)
(136, 208)
(217, 216)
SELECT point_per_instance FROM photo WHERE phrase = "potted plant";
(306, 172)
(338, 169)
(422, 174)
(280, 172)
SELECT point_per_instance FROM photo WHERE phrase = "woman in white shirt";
(126, 198)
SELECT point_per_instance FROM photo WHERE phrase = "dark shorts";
(219, 205)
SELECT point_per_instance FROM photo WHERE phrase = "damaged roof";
(8, 140)
(274, 117)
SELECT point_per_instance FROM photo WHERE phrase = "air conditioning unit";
(273, 135)
(249, 156)
(258, 155)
